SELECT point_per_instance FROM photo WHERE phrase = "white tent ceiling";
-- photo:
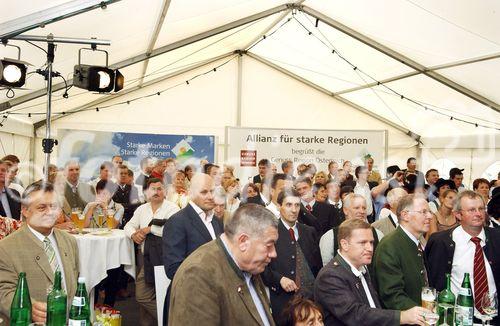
(459, 39)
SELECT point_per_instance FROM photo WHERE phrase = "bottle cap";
(81, 279)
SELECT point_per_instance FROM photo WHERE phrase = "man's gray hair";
(71, 162)
(251, 219)
(457, 206)
(407, 202)
(349, 199)
(395, 195)
(35, 187)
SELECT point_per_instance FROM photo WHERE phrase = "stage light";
(97, 79)
(12, 73)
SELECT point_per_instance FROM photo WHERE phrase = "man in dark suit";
(146, 165)
(333, 190)
(462, 250)
(324, 213)
(343, 287)
(399, 263)
(299, 259)
(10, 199)
(190, 228)
(126, 195)
(264, 170)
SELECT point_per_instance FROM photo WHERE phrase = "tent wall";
(16, 138)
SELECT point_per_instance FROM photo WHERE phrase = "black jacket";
(326, 215)
(128, 197)
(285, 264)
(14, 199)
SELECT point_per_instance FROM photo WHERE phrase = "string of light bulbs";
(392, 91)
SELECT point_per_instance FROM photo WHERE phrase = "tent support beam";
(239, 89)
(399, 57)
(164, 49)
(105, 99)
(51, 15)
(270, 64)
(415, 73)
(154, 37)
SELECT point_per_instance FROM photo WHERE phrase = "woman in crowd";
(319, 192)
(482, 187)
(249, 190)
(232, 195)
(103, 205)
(320, 177)
(347, 167)
(301, 312)
(444, 218)
(177, 191)
(441, 186)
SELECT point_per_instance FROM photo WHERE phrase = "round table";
(100, 250)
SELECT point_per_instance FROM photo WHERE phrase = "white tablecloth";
(99, 253)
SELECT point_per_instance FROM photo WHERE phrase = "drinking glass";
(445, 307)
(110, 219)
(429, 298)
(431, 318)
(489, 305)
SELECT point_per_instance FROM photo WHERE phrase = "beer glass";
(429, 297)
(110, 219)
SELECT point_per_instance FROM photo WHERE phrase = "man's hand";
(413, 316)
(288, 285)
(39, 311)
(140, 235)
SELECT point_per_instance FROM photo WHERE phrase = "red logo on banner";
(248, 158)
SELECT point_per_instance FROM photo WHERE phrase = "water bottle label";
(464, 315)
(73, 322)
(465, 291)
(78, 301)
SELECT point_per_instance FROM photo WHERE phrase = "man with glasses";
(399, 263)
(469, 248)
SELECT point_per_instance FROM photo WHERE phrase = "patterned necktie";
(308, 207)
(292, 234)
(480, 278)
(421, 254)
(51, 254)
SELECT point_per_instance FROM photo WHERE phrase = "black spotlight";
(12, 72)
(97, 79)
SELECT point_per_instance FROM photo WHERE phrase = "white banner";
(246, 146)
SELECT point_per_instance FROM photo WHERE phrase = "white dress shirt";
(360, 273)
(53, 241)
(339, 203)
(311, 203)
(206, 219)
(412, 237)
(463, 260)
(294, 227)
(143, 216)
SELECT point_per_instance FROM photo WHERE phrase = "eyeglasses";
(423, 212)
(473, 210)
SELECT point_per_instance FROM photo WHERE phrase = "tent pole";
(47, 142)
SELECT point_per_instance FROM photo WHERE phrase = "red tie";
(292, 234)
(480, 278)
(308, 207)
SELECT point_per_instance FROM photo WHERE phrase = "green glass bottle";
(57, 302)
(464, 309)
(20, 309)
(446, 304)
(79, 313)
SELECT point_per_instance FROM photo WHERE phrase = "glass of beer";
(429, 298)
(74, 215)
(100, 220)
(110, 219)
(80, 222)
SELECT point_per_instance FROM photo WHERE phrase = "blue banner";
(91, 148)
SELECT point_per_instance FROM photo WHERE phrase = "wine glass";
(445, 307)
(489, 305)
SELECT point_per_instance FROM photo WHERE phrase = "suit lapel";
(355, 280)
(39, 255)
(198, 224)
(66, 260)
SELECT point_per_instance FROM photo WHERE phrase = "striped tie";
(480, 278)
(51, 254)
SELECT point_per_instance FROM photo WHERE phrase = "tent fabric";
(442, 35)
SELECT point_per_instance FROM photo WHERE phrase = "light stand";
(48, 142)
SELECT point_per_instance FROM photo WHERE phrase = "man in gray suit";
(78, 194)
(343, 287)
(38, 249)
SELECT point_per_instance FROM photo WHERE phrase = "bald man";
(190, 228)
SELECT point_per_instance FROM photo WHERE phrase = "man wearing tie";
(343, 287)
(469, 248)
(191, 227)
(10, 205)
(399, 263)
(38, 249)
(299, 259)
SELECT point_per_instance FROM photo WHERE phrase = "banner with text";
(91, 148)
(246, 146)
